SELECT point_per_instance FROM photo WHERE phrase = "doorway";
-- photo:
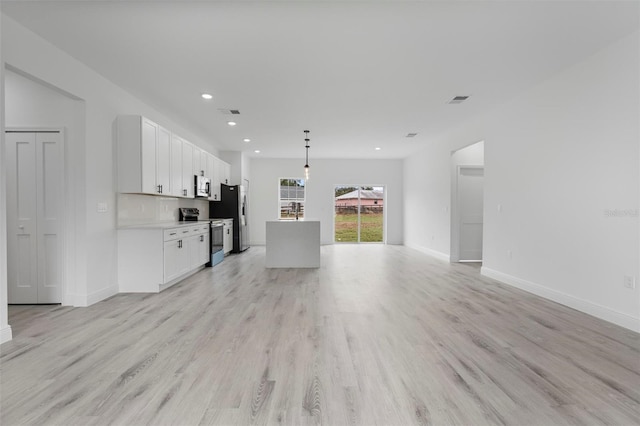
(467, 203)
(470, 209)
(359, 214)
(35, 194)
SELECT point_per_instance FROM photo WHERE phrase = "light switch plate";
(629, 282)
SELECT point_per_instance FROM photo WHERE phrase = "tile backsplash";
(138, 209)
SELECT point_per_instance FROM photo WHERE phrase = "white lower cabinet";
(176, 259)
(198, 247)
(204, 248)
(171, 260)
(227, 237)
(151, 259)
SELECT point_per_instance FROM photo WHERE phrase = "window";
(291, 198)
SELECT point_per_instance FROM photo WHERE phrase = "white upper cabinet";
(225, 176)
(176, 167)
(188, 181)
(206, 161)
(198, 164)
(215, 181)
(214, 193)
(148, 149)
(152, 160)
(143, 156)
(163, 161)
(221, 174)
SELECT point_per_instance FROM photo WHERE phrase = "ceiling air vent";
(411, 135)
(229, 111)
(458, 99)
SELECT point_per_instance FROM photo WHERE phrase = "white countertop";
(172, 224)
(293, 221)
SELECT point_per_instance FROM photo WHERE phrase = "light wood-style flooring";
(379, 335)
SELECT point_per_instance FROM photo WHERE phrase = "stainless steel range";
(190, 214)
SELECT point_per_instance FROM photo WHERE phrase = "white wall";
(5, 328)
(239, 163)
(93, 167)
(325, 174)
(557, 158)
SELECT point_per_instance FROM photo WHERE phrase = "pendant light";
(306, 147)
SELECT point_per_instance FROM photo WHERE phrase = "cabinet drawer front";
(172, 234)
(199, 229)
(185, 231)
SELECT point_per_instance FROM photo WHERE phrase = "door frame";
(64, 258)
(455, 212)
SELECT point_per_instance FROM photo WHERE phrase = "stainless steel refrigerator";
(233, 205)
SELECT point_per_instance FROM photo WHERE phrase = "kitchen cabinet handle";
(185, 232)
(179, 243)
(172, 233)
(201, 237)
(159, 189)
(184, 192)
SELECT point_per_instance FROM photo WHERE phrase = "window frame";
(301, 183)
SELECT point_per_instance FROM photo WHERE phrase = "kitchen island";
(293, 244)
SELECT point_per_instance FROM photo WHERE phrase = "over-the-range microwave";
(202, 186)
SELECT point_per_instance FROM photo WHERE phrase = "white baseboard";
(95, 297)
(430, 252)
(593, 309)
(5, 334)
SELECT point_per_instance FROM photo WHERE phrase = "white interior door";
(34, 194)
(22, 250)
(470, 202)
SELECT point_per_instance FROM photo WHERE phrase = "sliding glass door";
(359, 214)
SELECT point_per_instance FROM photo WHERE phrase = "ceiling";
(357, 74)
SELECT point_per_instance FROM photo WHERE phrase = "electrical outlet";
(102, 207)
(629, 282)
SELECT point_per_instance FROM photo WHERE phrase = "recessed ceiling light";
(231, 123)
(257, 151)
(206, 96)
(246, 140)
(378, 148)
